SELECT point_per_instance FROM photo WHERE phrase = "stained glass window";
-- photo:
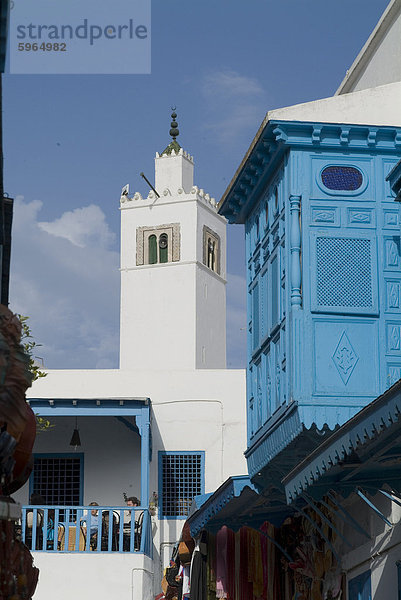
(341, 178)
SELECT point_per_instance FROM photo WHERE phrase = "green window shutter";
(152, 250)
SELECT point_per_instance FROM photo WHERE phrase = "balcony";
(64, 529)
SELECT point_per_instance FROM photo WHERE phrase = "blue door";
(359, 587)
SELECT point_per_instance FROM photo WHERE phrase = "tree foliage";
(30, 345)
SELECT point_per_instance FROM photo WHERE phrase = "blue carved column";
(143, 423)
(295, 382)
(295, 242)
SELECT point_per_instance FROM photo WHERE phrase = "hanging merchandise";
(246, 588)
(211, 566)
(173, 578)
(186, 545)
(221, 563)
(198, 574)
(186, 588)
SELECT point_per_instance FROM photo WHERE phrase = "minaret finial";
(174, 125)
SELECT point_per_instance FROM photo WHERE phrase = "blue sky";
(72, 142)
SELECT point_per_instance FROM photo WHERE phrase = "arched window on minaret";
(163, 248)
(211, 249)
(211, 254)
(152, 249)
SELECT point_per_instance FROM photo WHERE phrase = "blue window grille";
(359, 588)
(181, 478)
(58, 478)
(347, 179)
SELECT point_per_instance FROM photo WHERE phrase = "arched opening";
(163, 248)
(211, 254)
(152, 249)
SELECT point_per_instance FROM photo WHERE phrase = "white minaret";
(173, 271)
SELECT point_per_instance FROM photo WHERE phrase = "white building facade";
(164, 427)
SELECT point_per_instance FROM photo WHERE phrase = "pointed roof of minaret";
(174, 145)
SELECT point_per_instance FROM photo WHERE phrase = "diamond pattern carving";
(345, 358)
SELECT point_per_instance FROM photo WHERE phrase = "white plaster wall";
(111, 461)
(191, 410)
(158, 306)
(210, 319)
(381, 552)
(374, 106)
(158, 301)
(210, 295)
(165, 319)
(88, 576)
(174, 172)
(379, 61)
(384, 65)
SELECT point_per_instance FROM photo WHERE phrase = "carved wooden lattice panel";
(344, 272)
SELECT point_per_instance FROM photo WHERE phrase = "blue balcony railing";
(86, 529)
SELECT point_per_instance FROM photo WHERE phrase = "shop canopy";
(363, 457)
(235, 503)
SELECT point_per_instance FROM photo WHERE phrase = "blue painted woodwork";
(105, 407)
(210, 506)
(394, 179)
(363, 441)
(324, 280)
(359, 588)
(182, 482)
(66, 536)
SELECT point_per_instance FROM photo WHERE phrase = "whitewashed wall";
(379, 554)
(379, 61)
(100, 577)
(165, 321)
(191, 410)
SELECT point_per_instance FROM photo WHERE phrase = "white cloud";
(64, 276)
(241, 99)
(82, 227)
(230, 83)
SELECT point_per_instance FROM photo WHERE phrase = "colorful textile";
(237, 565)
(246, 588)
(221, 563)
(255, 564)
(186, 590)
(268, 528)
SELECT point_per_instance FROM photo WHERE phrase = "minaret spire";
(174, 131)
